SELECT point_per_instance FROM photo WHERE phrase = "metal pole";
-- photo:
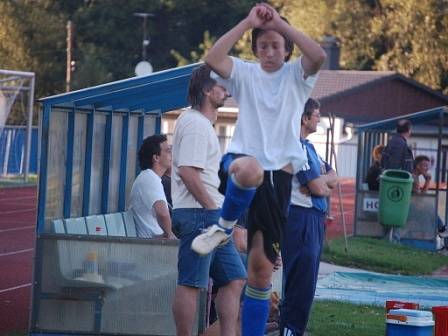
(443, 113)
(68, 73)
(29, 128)
(332, 120)
(439, 156)
(146, 41)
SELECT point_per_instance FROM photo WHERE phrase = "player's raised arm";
(218, 56)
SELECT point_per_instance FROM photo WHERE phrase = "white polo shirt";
(146, 190)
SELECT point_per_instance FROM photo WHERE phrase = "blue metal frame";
(43, 169)
(69, 164)
(140, 132)
(106, 163)
(158, 127)
(140, 93)
(415, 118)
(88, 164)
(98, 91)
(123, 163)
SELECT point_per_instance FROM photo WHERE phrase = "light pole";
(144, 67)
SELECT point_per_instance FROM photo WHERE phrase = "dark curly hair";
(149, 148)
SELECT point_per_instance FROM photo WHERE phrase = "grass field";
(331, 318)
(379, 255)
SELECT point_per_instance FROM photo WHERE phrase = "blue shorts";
(223, 265)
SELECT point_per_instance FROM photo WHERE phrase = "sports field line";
(18, 229)
(17, 211)
(14, 288)
(16, 252)
(20, 198)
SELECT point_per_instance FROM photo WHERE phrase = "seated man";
(148, 202)
(421, 168)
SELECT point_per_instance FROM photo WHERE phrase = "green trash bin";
(395, 197)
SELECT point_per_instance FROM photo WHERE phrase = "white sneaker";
(443, 234)
(211, 238)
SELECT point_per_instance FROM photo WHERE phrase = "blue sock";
(255, 311)
(235, 203)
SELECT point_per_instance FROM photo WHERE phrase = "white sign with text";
(370, 204)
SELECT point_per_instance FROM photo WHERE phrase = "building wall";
(386, 99)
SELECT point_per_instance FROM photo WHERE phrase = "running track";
(17, 232)
(18, 207)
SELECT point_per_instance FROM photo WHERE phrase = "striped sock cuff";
(258, 293)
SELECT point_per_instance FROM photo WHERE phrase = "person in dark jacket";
(397, 154)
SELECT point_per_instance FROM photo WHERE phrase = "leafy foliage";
(408, 36)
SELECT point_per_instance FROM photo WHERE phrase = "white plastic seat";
(115, 224)
(96, 225)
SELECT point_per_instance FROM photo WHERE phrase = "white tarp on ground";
(376, 288)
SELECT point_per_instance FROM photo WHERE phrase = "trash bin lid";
(395, 175)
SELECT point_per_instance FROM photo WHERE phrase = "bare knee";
(247, 171)
(237, 285)
(260, 267)
(233, 288)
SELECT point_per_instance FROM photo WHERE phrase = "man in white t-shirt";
(265, 149)
(148, 202)
(196, 206)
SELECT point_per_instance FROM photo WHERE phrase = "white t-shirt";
(146, 190)
(270, 108)
(195, 144)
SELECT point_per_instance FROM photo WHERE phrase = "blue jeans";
(223, 265)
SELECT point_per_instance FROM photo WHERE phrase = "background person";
(397, 154)
(304, 233)
(166, 182)
(421, 170)
(422, 164)
(373, 173)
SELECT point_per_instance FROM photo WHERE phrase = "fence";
(12, 150)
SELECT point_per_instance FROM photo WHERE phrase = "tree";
(407, 36)
(32, 40)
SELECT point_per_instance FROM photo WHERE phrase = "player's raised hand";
(258, 15)
(271, 16)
